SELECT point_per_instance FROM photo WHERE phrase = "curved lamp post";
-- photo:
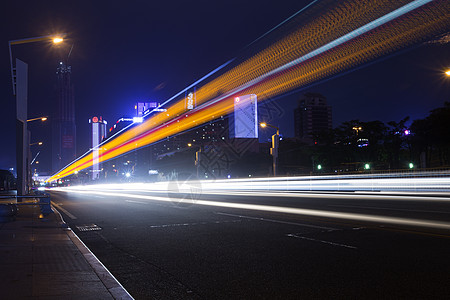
(19, 72)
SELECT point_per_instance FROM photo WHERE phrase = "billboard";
(245, 117)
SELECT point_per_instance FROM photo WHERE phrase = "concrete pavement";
(41, 258)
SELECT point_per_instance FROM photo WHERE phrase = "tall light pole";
(274, 149)
(19, 77)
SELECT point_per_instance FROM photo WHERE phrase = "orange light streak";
(342, 18)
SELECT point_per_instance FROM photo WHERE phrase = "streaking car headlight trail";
(379, 219)
(349, 34)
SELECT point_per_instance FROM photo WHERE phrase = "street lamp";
(19, 78)
(274, 149)
(56, 39)
(35, 119)
(37, 143)
(357, 129)
(447, 72)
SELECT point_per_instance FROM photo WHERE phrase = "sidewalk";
(42, 259)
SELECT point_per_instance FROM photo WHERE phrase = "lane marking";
(193, 224)
(277, 221)
(133, 201)
(58, 206)
(320, 241)
(387, 208)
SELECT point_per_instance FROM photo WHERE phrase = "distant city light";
(411, 165)
(319, 167)
(366, 166)
(362, 143)
(407, 132)
(127, 174)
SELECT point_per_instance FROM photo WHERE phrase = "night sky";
(130, 51)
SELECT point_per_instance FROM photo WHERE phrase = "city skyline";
(102, 90)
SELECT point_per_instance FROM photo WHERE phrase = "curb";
(113, 286)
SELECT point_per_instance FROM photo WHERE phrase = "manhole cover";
(90, 227)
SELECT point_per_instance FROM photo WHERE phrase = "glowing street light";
(40, 118)
(37, 143)
(274, 149)
(447, 72)
(357, 129)
(57, 40)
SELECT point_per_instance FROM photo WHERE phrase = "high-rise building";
(63, 120)
(311, 117)
(98, 135)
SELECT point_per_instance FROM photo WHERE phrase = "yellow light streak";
(250, 76)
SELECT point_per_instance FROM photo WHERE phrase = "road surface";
(320, 245)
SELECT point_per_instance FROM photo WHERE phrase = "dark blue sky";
(124, 51)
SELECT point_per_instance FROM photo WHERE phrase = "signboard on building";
(190, 99)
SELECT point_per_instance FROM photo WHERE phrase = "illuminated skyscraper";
(63, 120)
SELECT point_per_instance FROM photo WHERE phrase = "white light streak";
(278, 209)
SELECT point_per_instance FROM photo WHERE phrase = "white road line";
(320, 241)
(132, 201)
(397, 209)
(276, 221)
(58, 206)
(193, 224)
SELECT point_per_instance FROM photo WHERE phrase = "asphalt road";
(167, 249)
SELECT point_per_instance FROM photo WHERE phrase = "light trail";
(397, 183)
(351, 33)
(268, 208)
